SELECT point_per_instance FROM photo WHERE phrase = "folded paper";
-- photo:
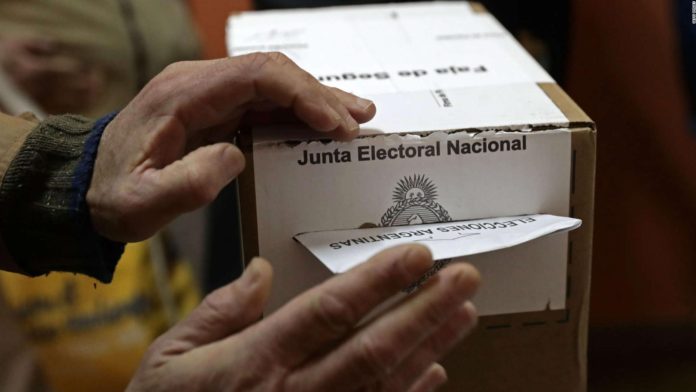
(341, 250)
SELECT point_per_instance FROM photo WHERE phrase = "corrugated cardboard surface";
(540, 351)
(543, 351)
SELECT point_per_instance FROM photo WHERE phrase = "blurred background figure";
(48, 77)
(91, 57)
(631, 67)
(64, 332)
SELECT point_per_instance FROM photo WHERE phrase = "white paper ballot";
(341, 250)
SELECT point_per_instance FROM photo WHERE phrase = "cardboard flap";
(341, 250)
(432, 67)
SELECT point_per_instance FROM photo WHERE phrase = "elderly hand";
(315, 342)
(168, 151)
(50, 74)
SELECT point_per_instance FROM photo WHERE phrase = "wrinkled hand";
(50, 74)
(168, 151)
(313, 343)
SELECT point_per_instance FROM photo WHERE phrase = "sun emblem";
(414, 198)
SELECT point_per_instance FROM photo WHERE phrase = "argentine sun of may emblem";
(414, 203)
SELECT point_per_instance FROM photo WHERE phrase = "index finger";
(330, 311)
(279, 79)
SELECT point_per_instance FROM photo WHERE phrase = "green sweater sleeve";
(44, 219)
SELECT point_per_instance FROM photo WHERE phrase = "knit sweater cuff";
(44, 217)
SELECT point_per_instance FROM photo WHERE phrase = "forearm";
(44, 219)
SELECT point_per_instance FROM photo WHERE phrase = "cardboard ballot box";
(468, 126)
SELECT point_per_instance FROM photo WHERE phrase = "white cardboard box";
(468, 126)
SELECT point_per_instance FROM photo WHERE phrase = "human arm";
(77, 188)
(168, 152)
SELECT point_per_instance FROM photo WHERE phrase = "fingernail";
(336, 118)
(364, 104)
(351, 125)
(252, 273)
(469, 309)
(417, 259)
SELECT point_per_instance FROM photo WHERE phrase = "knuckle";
(176, 67)
(309, 79)
(375, 356)
(260, 61)
(167, 75)
(392, 271)
(202, 192)
(336, 314)
(253, 62)
(159, 91)
(213, 309)
(154, 92)
(279, 58)
(437, 313)
(172, 67)
(472, 276)
(199, 189)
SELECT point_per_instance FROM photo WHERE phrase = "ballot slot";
(396, 180)
(341, 250)
(504, 249)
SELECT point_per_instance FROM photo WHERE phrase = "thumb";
(197, 178)
(226, 310)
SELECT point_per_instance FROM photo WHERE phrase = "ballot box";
(468, 126)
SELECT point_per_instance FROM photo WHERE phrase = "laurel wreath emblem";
(426, 199)
(430, 204)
